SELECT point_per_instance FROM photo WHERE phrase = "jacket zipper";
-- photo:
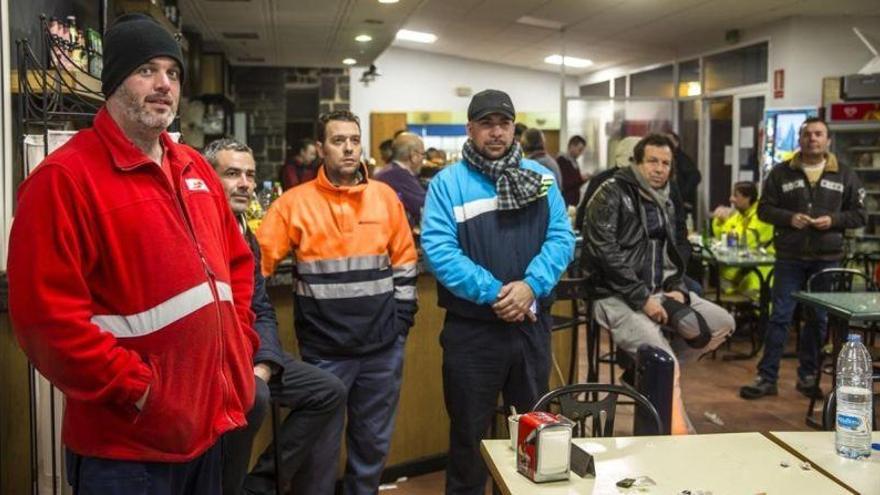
(808, 248)
(181, 209)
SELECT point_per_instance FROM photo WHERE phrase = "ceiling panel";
(609, 32)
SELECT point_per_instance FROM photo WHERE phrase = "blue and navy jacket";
(473, 248)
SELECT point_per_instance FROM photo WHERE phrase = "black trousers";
(313, 396)
(480, 360)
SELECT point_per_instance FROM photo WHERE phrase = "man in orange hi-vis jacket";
(354, 293)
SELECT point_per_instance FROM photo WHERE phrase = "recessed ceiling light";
(569, 61)
(349, 61)
(417, 36)
(363, 38)
(388, 1)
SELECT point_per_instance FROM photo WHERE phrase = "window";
(620, 86)
(741, 67)
(655, 82)
(689, 79)
(597, 89)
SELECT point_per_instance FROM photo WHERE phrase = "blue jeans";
(790, 276)
(96, 476)
(372, 383)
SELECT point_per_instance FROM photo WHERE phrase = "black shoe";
(759, 389)
(809, 387)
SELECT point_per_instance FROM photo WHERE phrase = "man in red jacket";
(130, 285)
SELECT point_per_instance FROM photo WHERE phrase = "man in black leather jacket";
(635, 273)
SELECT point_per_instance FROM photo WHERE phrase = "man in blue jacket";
(496, 235)
(312, 395)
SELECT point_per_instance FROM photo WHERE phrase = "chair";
(594, 349)
(570, 288)
(276, 448)
(580, 402)
(835, 280)
(573, 290)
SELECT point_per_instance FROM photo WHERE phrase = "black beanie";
(132, 40)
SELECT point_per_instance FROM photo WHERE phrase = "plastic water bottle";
(265, 196)
(852, 436)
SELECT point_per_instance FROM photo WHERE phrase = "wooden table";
(732, 463)
(817, 447)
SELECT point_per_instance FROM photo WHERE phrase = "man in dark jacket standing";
(303, 167)
(572, 179)
(687, 176)
(407, 157)
(312, 395)
(636, 271)
(810, 200)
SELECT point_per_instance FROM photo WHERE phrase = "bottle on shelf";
(852, 431)
(95, 46)
(76, 43)
(276, 191)
(265, 196)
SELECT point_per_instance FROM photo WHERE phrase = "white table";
(732, 463)
(863, 475)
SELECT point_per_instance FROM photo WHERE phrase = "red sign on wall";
(863, 110)
(779, 83)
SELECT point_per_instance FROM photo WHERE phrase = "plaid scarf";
(516, 187)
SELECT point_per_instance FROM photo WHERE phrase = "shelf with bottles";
(858, 147)
(54, 84)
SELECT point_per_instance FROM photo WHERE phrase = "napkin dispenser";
(544, 446)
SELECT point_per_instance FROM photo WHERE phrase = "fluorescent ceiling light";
(363, 38)
(540, 23)
(569, 61)
(349, 61)
(417, 36)
(388, 1)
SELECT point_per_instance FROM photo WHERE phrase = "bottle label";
(851, 422)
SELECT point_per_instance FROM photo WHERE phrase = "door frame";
(6, 145)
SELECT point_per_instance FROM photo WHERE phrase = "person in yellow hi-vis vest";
(742, 220)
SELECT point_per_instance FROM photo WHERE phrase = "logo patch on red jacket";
(196, 185)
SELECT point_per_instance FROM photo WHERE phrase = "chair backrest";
(581, 402)
(838, 280)
(568, 289)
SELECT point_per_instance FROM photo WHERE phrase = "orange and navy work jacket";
(355, 264)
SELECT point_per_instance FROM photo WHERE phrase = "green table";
(749, 260)
(852, 307)
(844, 308)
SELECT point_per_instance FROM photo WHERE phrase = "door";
(748, 114)
(732, 132)
(383, 125)
(718, 119)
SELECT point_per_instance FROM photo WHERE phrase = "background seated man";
(313, 396)
(741, 219)
(636, 272)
